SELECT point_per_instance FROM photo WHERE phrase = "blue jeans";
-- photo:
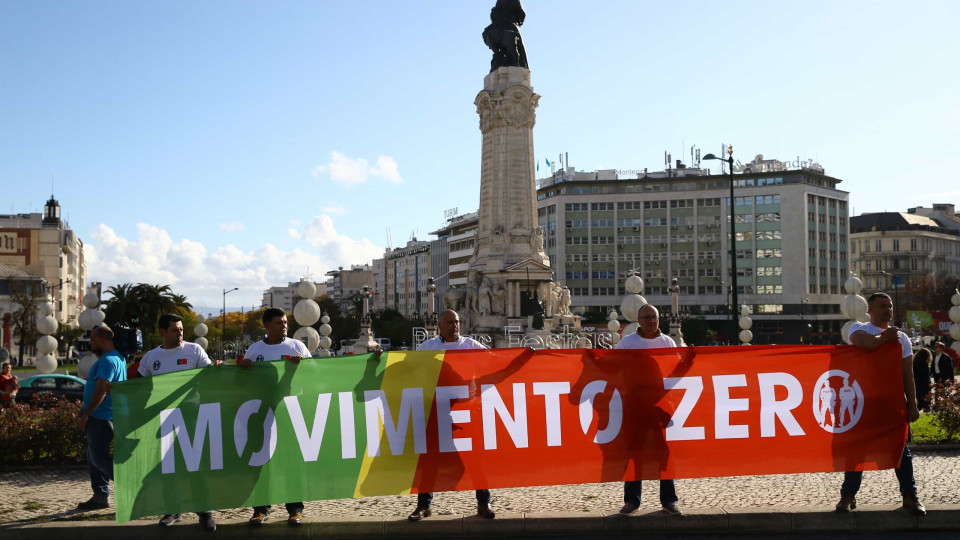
(424, 500)
(632, 489)
(99, 437)
(852, 479)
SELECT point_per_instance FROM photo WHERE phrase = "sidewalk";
(733, 505)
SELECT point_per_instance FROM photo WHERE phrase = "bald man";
(449, 340)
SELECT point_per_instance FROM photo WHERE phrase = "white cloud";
(352, 171)
(335, 209)
(232, 227)
(201, 272)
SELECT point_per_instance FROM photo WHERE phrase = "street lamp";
(896, 297)
(223, 320)
(803, 327)
(733, 244)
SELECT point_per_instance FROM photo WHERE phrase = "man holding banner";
(870, 336)
(174, 354)
(450, 339)
(275, 346)
(648, 336)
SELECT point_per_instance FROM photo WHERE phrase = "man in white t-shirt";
(175, 354)
(869, 336)
(648, 336)
(275, 346)
(449, 340)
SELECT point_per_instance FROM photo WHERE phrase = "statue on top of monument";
(503, 35)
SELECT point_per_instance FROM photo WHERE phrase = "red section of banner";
(516, 418)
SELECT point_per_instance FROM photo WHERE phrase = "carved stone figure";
(565, 301)
(473, 284)
(674, 298)
(483, 297)
(552, 300)
(503, 35)
(453, 298)
(498, 304)
(536, 240)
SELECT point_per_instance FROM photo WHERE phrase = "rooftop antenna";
(389, 240)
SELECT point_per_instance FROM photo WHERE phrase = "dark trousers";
(852, 479)
(292, 508)
(99, 437)
(424, 500)
(632, 489)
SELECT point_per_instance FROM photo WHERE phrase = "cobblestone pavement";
(40, 493)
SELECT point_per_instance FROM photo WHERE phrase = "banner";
(411, 422)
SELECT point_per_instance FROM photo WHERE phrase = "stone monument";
(510, 279)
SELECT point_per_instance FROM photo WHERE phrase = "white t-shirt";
(635, 341)
(159, 361)
(438, 344)
(875, 330)
(262, 352)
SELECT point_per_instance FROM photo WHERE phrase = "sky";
(219, 144)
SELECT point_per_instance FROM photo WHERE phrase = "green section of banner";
(203, 470)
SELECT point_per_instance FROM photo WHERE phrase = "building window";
(878, 246)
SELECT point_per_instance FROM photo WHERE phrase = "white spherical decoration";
(746, 336)
(853, 285)
(630, 307)
(854, 306)
(46, 345)
(84, 365)
(613, 316)
(201, 318)
(200, 330)
(307, 289)
(845, 331)
(323, 352)
(91, 300)
(745, 310)
(46, 363)
(306, 312)
(584, 343)
(955, 299)
(308, 336)
(614, 338)
(325, 319)
(745, 323)
(955, 314)
(47, 324)
(613, 325)
(955, 331)
(202, 342)
(45, 308)
(90, 319)
(633, 285)
(325, 342)
(629, 329)
(325, 329)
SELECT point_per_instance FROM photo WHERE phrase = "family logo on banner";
(411, 422)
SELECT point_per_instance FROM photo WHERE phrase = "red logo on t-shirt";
(181, 361)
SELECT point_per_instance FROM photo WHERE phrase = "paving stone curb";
(801, 521)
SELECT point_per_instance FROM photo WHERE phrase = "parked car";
(68, 386)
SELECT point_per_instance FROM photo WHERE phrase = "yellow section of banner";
(387, 473)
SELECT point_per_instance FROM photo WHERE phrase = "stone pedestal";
(509, 261)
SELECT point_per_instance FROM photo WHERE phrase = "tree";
(26, 294)
(141, 305)
(928, 292)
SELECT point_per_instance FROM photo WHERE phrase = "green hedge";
(42, 433)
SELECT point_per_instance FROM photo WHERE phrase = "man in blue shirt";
(96, 417)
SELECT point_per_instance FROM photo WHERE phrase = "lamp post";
(803, 327)
(733, 245)
(223, 320)
(896, 297)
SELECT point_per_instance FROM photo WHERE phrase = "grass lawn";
(926, 432)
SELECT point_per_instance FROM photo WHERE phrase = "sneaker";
(912, 503)
(295, 518)
(207, 522)
(849, 502)
(672, 508)
(93, 504)
(257, 519)
(629, 508)
(170, 519)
